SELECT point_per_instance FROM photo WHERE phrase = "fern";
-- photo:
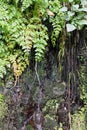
(12, 26)
(40, 7)
(39, 37)
(56, 20)
(4, 62)
(17, 31)
(26, 4)
(20, 32)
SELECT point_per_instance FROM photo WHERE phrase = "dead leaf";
(50, 13)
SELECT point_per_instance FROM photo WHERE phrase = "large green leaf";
(82, 22)
(70, 27)
(75, 7)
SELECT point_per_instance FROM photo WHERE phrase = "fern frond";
(26, 4)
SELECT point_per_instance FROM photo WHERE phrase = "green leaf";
(1, 75)
(1, 97)
(63, 9)
(70, 13)
(83, 9)
(41, 46)
(70, 1)
(82, 22)
(70, 27)
(75, 7)
(39, 50)
(26, 4)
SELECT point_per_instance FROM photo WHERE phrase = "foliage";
(27, 25)
(78, 120)
(75, 14)
(38, 36)
(17, 38)
(22, 28)
(3, 107)
(83, 75)
(83, 85)
(56, 20)
(11, 22)
(29, 127)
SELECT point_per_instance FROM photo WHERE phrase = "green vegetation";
(29, 30)
(22, 27)
(79, 120)
(3, 107)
